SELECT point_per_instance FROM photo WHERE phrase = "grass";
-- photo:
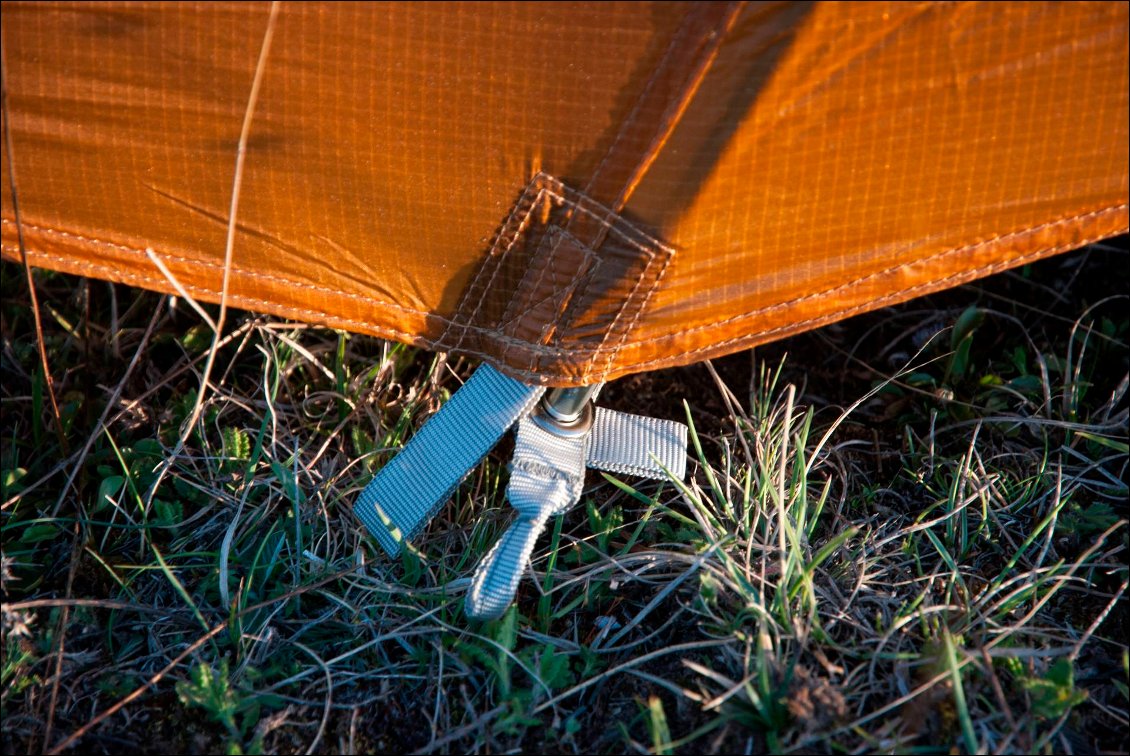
(902, 533)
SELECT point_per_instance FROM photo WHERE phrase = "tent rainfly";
(570, 192)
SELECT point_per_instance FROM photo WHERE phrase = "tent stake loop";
(556, 440)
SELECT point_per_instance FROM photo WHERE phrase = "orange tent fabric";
(571, 191)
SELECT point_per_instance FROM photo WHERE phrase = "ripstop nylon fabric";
(569, 191)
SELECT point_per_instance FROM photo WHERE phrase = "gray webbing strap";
(410, 489)
(546, 478)
(626, 444)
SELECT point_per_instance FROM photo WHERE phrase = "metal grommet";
(571, 429)
(567, 404)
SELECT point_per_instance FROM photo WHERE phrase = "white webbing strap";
(637, 445)
(546, 478)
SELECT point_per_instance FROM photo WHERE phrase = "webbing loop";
(546, 475)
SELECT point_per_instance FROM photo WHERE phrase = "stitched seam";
(672, 115)
(677, 37)
(538, 377)
(871, 304)
(500, 257)
(568, 296)
(893, 269)
(562, 296)
(643, 306)
(622, 232)
(782, 305)
(493, 253)
(140, 279)
(688, 90)
(631, 295)
(160, 283)
(555, 332)
(874, 304)
(509, 317)
(191, 261)
(632, 236)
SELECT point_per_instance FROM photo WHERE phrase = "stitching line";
(895, 268)
(630, 235)
(527, 213)
(629, 298)
(677, 37)
(153, 282)
(542, 349)
(873, 304)
(658, 140)
(554, 333)
(191, 261)
(509, 317)
(643, 306)
(561, 195)
(702, 60)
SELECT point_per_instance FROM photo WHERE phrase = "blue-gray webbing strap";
(409, 490)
